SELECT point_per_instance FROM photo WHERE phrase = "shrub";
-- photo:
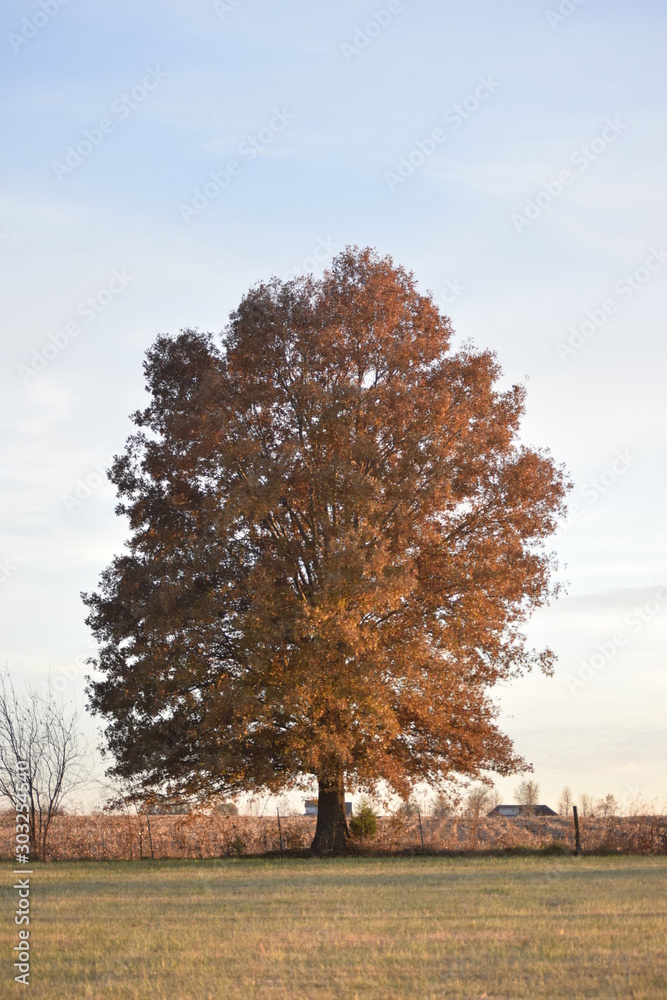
(407, 808)
(225, 808)
(557, 847)
(237, 845)
(443, 806)
(293, 838)
(364, 821)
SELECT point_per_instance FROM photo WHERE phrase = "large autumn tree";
(336, 540)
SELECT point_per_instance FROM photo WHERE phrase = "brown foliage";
(336, 540)
(199, 835)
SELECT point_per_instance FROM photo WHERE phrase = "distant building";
(311, 808)
(522, 811)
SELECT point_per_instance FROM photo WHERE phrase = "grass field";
(419, 927)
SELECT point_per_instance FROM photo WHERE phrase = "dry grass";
(103, 837)
(280, 929)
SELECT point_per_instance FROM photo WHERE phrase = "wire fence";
(208, 835)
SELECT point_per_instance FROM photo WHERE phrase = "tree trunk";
(33, 834)
(331, 833)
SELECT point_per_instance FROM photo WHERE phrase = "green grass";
(419, 927)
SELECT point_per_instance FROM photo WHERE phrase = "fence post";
(150, 839)
(421, 832)
(577, 839)
(131, 835)
(280, 833)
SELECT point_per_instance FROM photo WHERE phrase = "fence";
(208, 835)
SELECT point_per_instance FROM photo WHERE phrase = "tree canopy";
(336, 538)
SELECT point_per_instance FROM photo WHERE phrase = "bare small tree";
(527, 794)
(608, 806)
(41, 755)
(442, 806)
(477, 801)
(586, 804)
(408, 807)
(565, 801)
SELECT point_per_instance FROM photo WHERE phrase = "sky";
(159, 158)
